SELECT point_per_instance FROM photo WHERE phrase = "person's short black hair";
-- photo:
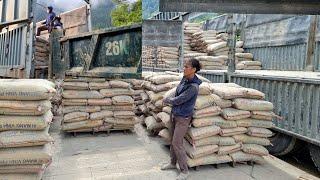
(50, 8)
(195, 64)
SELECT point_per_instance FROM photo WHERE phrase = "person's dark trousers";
(177, 151)
(41, 28)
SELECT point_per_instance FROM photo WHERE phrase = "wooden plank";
(311, 44)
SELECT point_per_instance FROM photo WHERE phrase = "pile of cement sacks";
(189, 30)
(25, 116)
(97, 104)
(161, 57)
(245, 61)
(41, 56)
(230, 124)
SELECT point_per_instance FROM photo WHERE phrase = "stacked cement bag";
(244, 61)
(202, 39)
(213, 62)
(161, 56)
(156, 85)
(230, 124)
(96, 104)
(25, 115)
(168, 55)
(189, 30)
(41, 57)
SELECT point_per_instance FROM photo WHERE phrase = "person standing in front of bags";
(182, 111)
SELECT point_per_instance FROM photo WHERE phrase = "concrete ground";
(137, 156)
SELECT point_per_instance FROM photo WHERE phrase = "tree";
(126, 14)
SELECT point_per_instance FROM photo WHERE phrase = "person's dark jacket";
(185, 97)
(50, 19)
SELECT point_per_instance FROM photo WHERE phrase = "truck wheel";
(315, 155)
(281, 144)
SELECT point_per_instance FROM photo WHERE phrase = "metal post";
(231, 44)
(181, 47)
(89, 15)
(311, 43)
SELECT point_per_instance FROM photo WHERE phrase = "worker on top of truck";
(49, 23)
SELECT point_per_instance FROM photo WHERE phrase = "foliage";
(126, 14)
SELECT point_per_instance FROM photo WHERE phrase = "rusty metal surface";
(110, 53)
(242, 6)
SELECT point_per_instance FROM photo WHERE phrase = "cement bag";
(166, 119)
(14, 176)
(26, 90)
(207, 112)
(254, 123)
(206, 101)
(263, 115)
(239, 44)
(159, 104)
(122, 100)
(203, 132)
(100, 102)
(233, 131)
(155, 96)
(228, 92)
(152, 124)
(211, 159)
(244, 55)
(75, 117)
(76, 85)
(21, 108)
(253, 68)
(83, 79)
(157, 88)
(208, 63)
(12, 139)
(224, 150)
(254, 94)
(74, 102)
(167, 109)
(72, 94)
(235, 114)
(226, 141)
(218, 59)
(222, 123)
(215, 120)
(255, 149)
(252, 105)
(212, 140)
(143, 108)
(204, 89)
(25, 122)
(170, 94)
(221, 50)
(165, 134)
(216, 46)
(251, 63)
(99, 85)
(259, 132)
(119, 121)
(161, 79)
(245, 139)
(118, 108)
(88, 109)
(101, 115)
(123, 114)
(199, 151)
(25, 156)
(245, 157)
(105, 127)
(119, 84)
(116, 92)
(21, 169)
(225, 85)
(81, 125)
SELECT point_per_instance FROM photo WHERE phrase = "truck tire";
(281, 144)
(315, 155)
